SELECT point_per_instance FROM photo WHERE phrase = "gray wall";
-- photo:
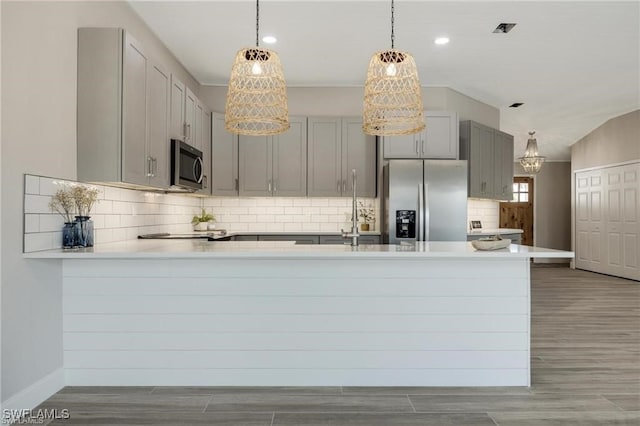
(347, 101)
(552, 206)
(616, 141)
(39, 40)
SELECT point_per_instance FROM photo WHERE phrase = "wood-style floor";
(586, 371)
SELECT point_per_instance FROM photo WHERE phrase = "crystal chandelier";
(257, 97)
(392, 93)
(531, 162)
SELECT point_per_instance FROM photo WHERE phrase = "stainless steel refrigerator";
(425, 200)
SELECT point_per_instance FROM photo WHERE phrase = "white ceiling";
(573, 64)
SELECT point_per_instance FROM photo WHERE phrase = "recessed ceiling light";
(441, 40)
(269, 39)
(504, 28)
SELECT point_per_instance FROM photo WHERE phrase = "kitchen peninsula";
(191, 312)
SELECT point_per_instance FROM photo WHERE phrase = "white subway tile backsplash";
(51, 222)
(36, 204)
(41, 241)
(31, 184)
(31, 223)
(292, 210)
(320, 202)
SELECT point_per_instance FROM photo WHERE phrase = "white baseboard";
(33, 395)
(540, 260)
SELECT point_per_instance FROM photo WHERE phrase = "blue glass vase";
(84, 231)
(69, 235)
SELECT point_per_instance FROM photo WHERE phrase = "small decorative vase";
(69, 235)
(84, 231)
(211, 226)
(364, 226)
(200, 226)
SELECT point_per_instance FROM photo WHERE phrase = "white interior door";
(607, 220)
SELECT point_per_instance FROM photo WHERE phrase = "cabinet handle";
(149, 167)
(269, 186)
(417, 152)
(184, 131)
(204, 182)
(422, 143)
(338, 189)
(344, 186)
(155, 166)
(275, 189)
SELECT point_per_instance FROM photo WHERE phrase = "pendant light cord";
(393, 37)
(257, 23)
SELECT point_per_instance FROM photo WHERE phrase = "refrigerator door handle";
(426, 212)
(420, 224)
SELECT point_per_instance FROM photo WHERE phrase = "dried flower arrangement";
(62, 202)
(84, 198)
(366, 213)
(77, 199)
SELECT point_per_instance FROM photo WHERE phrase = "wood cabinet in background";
(224, 153)
(123, 111)
(439, 139)
(489, 153)
(274, 165)
(335, 147)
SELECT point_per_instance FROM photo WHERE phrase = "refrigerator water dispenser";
(405, 223)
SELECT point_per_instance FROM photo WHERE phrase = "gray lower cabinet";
(515, 238)
(123, 111)
(274, 165)
(224, 152)
(299, 239)
(490, 160)
(337, 239)
(439, 139)
(335, 147)
(245, 238)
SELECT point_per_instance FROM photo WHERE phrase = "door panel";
(519, 214)
(404, 177)
(402, 146)
(440, 138)
(325, 157)
(290, 160)
(359, 153)
(224, 157)
(134, 113)
(255, 166)
(190, 106)
(178, 95)
(445, 192)
(158, 105)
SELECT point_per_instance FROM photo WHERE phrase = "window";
(520, 192)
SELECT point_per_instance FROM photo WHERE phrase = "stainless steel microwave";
(187, 171)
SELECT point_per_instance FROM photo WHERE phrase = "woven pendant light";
(531, 162)
(257, 97)
(392, 93)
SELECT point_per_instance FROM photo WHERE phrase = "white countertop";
(495, 231)
(191, 249)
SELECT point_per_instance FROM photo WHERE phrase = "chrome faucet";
(354, 215)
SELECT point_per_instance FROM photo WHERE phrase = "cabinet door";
(206, 151)
(404, 146)
(503, 166)
(158, 104)
(481, 161)
(359, 153)
(198, 125)
(290, 160)
(440, 138)
(324, 174)
(299, 239)
(134, 112)
(333, 239)
(255, 172)
(224, 153)
(190, 107)
(178, 96)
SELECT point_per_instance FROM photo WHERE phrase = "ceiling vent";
(516, 105)
(504, 28)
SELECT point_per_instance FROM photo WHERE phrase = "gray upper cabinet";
(439, 139)
(274, 165)
(158, 105)
(202, 141)
(490, 156)
(336, 146)
(190, 114)
(224, 154)
(122, 111)
(359, 153)
(178, 96)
